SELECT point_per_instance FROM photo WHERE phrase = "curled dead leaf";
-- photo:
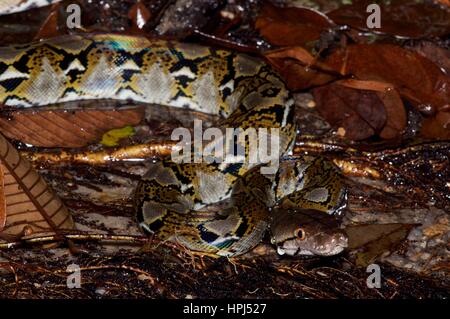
(299, 68)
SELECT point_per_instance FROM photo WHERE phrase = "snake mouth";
(305, 252)
(293, 252)
(337, 249)
(293, 247)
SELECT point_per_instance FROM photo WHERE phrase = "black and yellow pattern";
(169, 200)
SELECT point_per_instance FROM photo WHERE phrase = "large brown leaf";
(66, 128)
(291, 26)
(416, 78)
(31, 206)
(396, 118)
(299, 68)
(360, 113)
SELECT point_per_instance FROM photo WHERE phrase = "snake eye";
(300, 233)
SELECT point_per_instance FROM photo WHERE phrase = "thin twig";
(129, 239)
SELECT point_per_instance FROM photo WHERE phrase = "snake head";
(297, 231)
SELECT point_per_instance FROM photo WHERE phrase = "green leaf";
(112, 137)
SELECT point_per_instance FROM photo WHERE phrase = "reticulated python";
(295, 203)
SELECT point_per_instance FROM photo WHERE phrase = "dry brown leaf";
(417, 79)
(299, 68)
(396, 118)
(373, 240)
(49, 28)
(31, 206)
(437, 126)
(291, 26)
(438, 55)
(360, 113)
(63, 128)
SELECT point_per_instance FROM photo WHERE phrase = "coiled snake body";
(171, 197)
